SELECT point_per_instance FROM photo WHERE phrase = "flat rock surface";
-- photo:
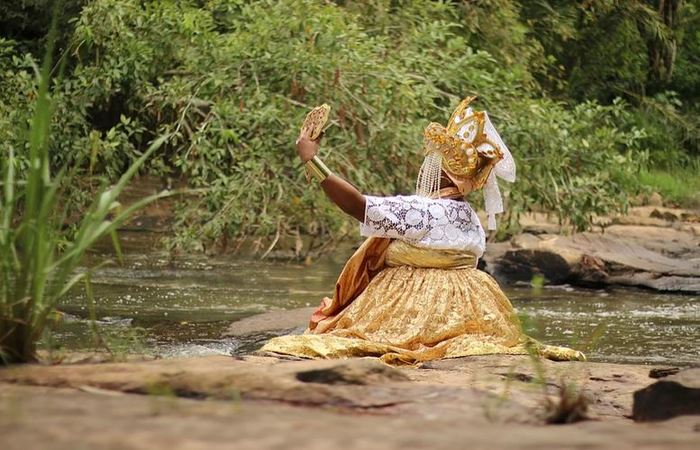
(257, 402)
(610, 250)
(272, 321)
(651, 247)
(668, 241)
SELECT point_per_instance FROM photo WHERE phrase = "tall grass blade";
(35, 275)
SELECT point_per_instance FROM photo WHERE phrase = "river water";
(179, 306)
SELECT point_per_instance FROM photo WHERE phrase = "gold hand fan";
(315, 121)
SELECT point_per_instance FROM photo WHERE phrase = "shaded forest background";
(597, 99)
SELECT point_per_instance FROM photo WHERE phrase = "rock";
(260, 402)
(539, 223)
(692, 228)
(676, 243)
(690, 216)
(355, 384)
(644, 221)
(592, 268)
(659, 212)
(362, 372)
(223, 378)
(524, 264)
(352, 383)
(594, 259)
(66, 419)
(661, 372)
(689, 285)
(655, 199)
(622, 253)
(671, 396)
(665, 215)
(638, 200)
(526, 240)
(271, 321)
(261, 327)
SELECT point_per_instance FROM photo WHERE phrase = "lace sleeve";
(395, 217)
(434, 223)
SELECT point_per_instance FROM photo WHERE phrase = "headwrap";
(471, 153)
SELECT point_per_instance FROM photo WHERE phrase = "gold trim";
(448, 192)
(316, 168)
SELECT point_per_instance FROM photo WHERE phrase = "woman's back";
(425, 222)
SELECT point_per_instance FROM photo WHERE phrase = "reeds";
(34, 272)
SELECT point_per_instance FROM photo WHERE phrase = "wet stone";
(671, 396)
(360, 372)
(661, 372)
(293, 320)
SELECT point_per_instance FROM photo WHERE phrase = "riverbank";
(651, 247)
(177, 305)
(261, 402)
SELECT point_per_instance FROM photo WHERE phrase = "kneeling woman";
(412, 292)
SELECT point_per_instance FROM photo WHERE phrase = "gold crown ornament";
(466, 152)
(471, 153)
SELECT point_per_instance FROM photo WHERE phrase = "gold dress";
(406, 304)
(411, 292)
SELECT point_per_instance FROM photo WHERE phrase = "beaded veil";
(471, 153)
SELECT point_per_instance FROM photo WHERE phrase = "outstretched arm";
(339, 191)
(345, 195)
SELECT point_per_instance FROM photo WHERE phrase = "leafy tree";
(580, 97)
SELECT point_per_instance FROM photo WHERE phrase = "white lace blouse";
(425, 222)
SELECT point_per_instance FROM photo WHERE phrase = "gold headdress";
(470, 152)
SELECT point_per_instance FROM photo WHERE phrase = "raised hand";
(306, 148)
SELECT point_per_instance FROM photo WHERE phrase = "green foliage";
(225, 86)
(231, 80)
(680, 185)
(686, 78)
(669, 131)
(636, 50)
(573, 162)
(609, 80)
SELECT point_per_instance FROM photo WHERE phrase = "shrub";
(230, 81)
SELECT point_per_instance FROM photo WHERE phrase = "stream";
(165, 306)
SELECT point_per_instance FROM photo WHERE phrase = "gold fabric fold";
(367, 261)
(407, 304)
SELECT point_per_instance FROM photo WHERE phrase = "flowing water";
(176, 307)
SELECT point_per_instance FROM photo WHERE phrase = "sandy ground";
(267, 403)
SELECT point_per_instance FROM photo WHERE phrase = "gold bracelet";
(316, 167)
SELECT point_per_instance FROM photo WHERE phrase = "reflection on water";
(620, 326)
(175, 307)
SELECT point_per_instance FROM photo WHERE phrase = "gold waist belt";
(401, 253)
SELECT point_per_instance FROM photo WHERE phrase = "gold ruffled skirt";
(404, 312)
